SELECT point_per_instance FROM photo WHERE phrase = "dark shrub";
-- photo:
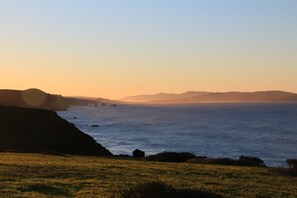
(292, 170)
(171, 157)
(251, 161)
(46, 190)
(138, 153)
(160, 190)
(292, 163)
(285, 171)
(243, 161)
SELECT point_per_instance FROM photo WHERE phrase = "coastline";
(253, 129)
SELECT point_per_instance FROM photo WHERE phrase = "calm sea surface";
(265, 130)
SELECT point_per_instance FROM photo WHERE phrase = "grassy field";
(36, 175)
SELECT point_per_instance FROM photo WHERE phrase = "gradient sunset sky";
(116, 48)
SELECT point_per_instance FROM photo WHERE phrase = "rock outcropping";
(37, 131)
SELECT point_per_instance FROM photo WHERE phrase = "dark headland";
(38, 131)
(29, 123)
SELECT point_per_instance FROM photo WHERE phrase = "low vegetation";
(161, 190)
(191, 158)
(40, 175)
(171, 157)
(291, 170)
(292, 163)
(242, 161)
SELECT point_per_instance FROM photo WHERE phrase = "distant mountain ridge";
(162, 96)
(203, 96)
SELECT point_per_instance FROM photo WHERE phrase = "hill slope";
(37, 99)
(36, 130)
(32, 98)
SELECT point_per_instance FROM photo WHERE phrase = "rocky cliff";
(37, 130)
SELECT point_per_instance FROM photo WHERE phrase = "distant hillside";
(163, 96)
(37, 130)
(196, 97)
(37, 99)
(82, 101)
(32, 98)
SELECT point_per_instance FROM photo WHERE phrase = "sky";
(117, 48)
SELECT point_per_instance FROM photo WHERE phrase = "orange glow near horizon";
(114, 50)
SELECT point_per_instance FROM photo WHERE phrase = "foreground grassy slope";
(36, 175)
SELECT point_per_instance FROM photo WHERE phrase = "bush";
(251, 161)
(292, 163)
(242, 161)
(292, 172)
(46, 190)
(161, 190)
(138, 153)
(171, 157)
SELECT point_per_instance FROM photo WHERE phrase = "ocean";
(264, 130)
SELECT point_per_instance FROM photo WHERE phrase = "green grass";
(37, 175)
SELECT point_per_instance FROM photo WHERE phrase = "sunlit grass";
(34, 175)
